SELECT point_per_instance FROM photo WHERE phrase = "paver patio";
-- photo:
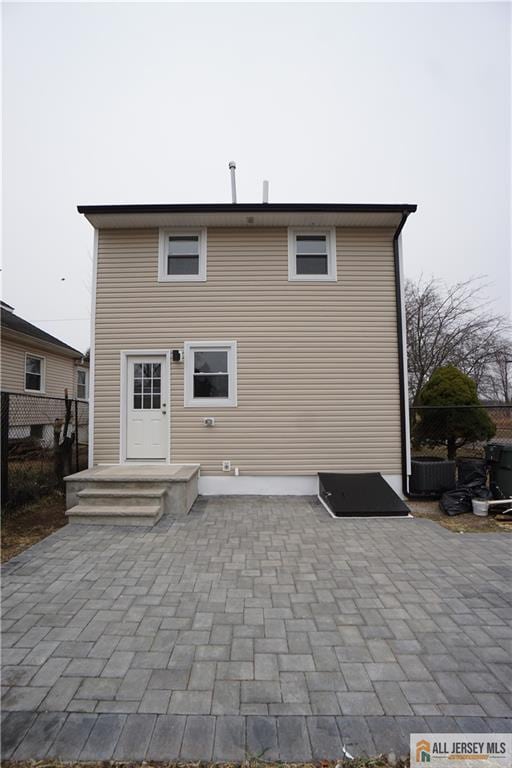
(254, 627)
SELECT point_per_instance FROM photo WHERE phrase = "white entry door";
(147, 433)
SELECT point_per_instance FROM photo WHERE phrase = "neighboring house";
(39, 367)
(264, 342)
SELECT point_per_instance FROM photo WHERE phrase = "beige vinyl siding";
(318, 374)
(59, 370)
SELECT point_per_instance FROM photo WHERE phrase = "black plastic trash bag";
(456, 502)
(471, 472)
(479, 492)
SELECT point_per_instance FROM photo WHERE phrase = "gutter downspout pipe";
(402, 357)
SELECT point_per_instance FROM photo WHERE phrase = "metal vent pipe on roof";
(232, 168)
(265, 191)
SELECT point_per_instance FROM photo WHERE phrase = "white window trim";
(86, 371)
(163, 277)
(330, 233)
(43, 374)
(210, 402)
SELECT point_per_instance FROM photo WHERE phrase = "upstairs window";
(182, 255)
(210, 371)
(34, 373)
(311, 254)
(82, 383)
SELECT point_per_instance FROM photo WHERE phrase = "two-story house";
(262, 342)
(37, 367)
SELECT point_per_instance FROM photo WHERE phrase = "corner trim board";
(92, 353)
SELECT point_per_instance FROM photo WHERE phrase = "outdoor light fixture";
(177, 355)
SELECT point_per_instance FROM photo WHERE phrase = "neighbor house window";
(82, 383)
(210, 373)
(182, 255)
(311, 254)
(34, 373)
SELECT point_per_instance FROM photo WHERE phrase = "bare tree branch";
(455, 325)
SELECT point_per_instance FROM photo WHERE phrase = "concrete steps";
(110, 515)
(91, 497)
(123, 495)
(124, 506)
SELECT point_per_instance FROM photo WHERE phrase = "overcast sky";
(116, 103)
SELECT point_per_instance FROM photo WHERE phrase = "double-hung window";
(210, 373)
(312, 254)
(82, 383)
(34, 373)
(182, 255)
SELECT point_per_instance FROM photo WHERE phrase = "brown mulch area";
(466, 523)
(356, 762)
(29, 524)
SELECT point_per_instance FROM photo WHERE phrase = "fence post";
(5, 446)
(77, 452)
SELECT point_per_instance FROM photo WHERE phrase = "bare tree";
(497, 379)
(453, 325)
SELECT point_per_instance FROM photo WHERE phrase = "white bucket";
(480, 508)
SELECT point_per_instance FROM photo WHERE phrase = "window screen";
(34, 373)
(312, 255)
(183, 255)
(211, 376)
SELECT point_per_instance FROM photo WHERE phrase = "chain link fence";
(35, 455)
(458, 431)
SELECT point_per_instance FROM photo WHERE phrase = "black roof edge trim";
(404, 208)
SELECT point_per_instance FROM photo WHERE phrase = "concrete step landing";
(130, 495)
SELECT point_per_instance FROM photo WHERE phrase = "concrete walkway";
(254, 627)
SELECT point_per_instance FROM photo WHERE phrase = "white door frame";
(125, 354)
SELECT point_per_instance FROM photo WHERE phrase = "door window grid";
(147, 385)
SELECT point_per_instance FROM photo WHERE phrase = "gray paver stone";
(293, 738)
(261, 735)
(230, 739)
(167, 737)
(198, 738)
(324, 737)
(135, 737)
(40, 736)
(72, 736)
(14, 727)
(103, 737)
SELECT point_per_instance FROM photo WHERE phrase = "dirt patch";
(29, 524)
(466, 523)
